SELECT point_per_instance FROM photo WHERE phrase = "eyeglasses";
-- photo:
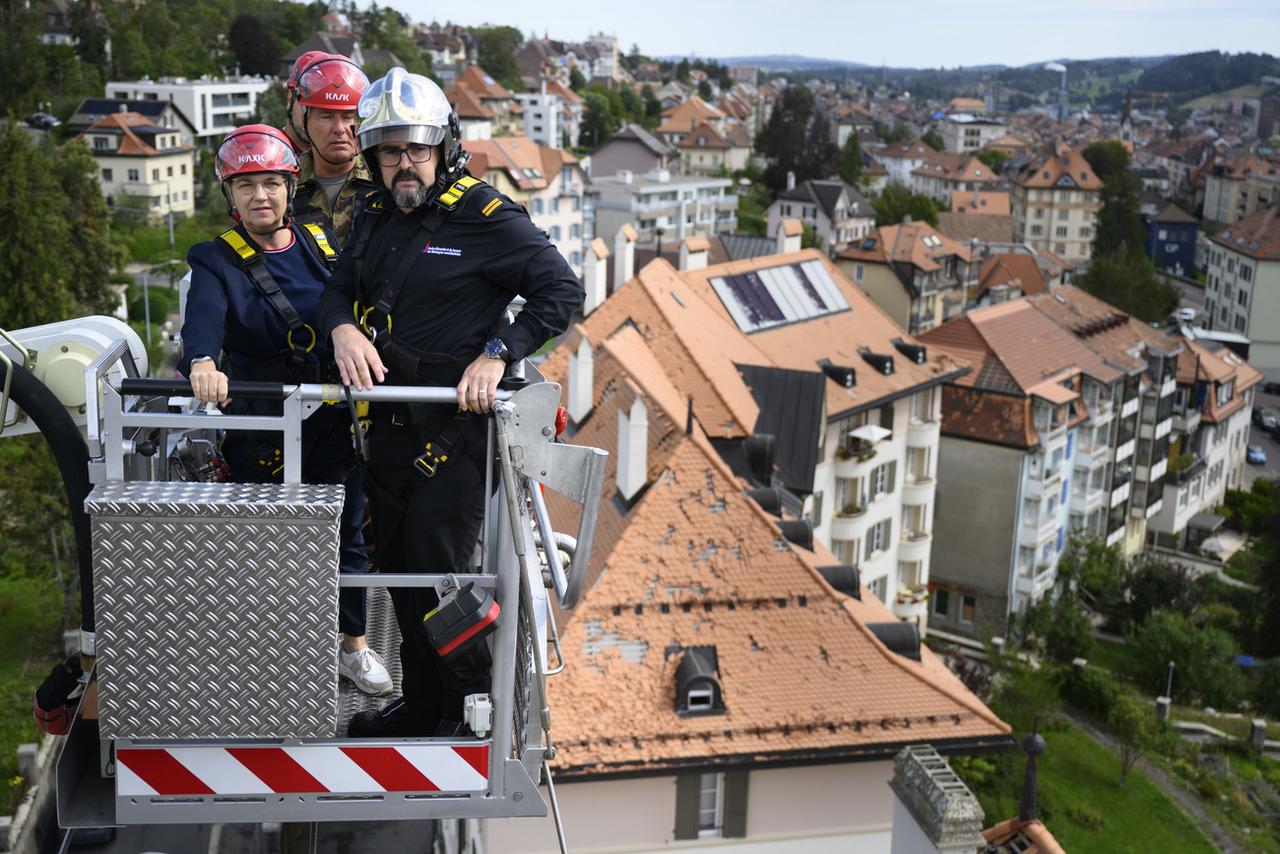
(390, 155)
(247, 186)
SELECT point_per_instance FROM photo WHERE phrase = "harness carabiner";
(311, 346)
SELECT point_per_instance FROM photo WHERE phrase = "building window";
(710, 804)
(1060, 231)
(106, 174)
(169, 172)
(878, 538)
(1036, 231)
(155, 174)
(184, 169)
(941, 602)
(882, 479)
(968, 608)
(857, 272)
(133, 174)
(555, 232)
(846, 551)
(879, 586)
(100, 143)
(537, 206)
(1060, 248)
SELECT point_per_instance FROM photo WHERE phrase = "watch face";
(494, 348)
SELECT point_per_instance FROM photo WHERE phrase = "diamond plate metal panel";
(217, 611)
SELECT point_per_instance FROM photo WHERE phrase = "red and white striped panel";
(307, 769)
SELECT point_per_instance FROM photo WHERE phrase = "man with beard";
(442, 254)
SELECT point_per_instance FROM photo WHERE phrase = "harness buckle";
(428, 462)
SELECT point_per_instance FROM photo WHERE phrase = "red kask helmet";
(255, 148)
(302, 63)
(331, 82)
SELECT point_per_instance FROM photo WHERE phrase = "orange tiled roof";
(483, 84)
(915, 243)
(130, 142)
(990, 202)
(1016, 270)
(695, 563)
(467, 103)
(1115, 336)
(1257, 235)
(1065, 167)
(1198, 363)
(529, 165)
(704, 136)
(687, 115)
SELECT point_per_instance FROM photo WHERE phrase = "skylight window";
(773, 296)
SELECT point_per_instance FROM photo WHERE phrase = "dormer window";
(698, 683)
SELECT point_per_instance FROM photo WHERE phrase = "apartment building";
(950, 177)
(837, 213)
(917, 275)
(965, 133)
(900, 159)
(215, 107)
(552, 115)
(1013, 435)
(1139, 440)
(789, 347)
(729, 685)
(1211, 415)
(549, 182)
(145, 161)
(679, 206)
(1055, 204)
(1240, 186)
(1242, 293)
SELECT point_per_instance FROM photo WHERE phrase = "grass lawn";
(1250, 90)
(1082, 804)
(1113, 656)
(30, 615)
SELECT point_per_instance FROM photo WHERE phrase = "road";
(1258, 436)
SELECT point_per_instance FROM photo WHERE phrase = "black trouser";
(327, 457)
(427, 526)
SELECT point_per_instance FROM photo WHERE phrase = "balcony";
(914, 546)
(849, 526)
(1156, 431)
(1125, 450)
(918, 490)
(1130, 407)
(853, 456)
(1168, 387)
(1115, 536)
(922, 434)
(1051, 434)
(1089, 502)
(911, 602)
(1185, 467)
(1043, 484)
(1120, 486)
(1038, 584)
(1187, 421)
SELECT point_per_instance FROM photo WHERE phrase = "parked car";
(1185, 315)
(42, 121)
(1254, 454)
(1271, 388)
(1266, 419)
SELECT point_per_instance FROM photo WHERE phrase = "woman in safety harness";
(251, 315)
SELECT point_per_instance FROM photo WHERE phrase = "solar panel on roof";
(772, 296)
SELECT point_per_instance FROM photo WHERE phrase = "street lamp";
(1168, 688)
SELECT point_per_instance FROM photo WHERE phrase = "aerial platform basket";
(216, 621)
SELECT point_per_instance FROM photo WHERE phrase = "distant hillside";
(782, 62)
(1187, 77)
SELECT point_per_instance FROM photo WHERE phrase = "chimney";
(624, 255)
(581, 378)
(1033, 746)
(693, 253)
(789, 233)
(595, 276)
(633, 448)
(791, 180)
(933, 810)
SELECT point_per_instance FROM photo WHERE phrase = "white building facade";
(215, 107)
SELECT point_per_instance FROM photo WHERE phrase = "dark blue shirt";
(226, 311)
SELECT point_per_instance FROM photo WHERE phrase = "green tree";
(1128, 281)
(632, 106)
(851, 161)
(1134, 727)
(53, 197)
(496, 53)
(896, 202)
(1250, 511)
(576, 81)
(682, 71)
(704, 89)
(933, 139)
(995, 160)
(1069, 634)
(598, 120)
(1204, 668)
(255, 49)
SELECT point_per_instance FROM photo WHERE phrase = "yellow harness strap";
(450, 197)
(233, 239)
(322, 240)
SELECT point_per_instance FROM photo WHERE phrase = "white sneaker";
(366, 671)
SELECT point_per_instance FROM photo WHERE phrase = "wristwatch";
(496, 348)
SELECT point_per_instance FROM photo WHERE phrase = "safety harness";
(249, 255)
(411, 360)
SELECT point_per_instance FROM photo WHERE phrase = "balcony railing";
(1181, 471)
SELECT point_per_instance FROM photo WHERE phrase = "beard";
(409, 198)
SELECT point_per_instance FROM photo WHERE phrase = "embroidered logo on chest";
(442, 250)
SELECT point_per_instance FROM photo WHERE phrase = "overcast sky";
(920, 33)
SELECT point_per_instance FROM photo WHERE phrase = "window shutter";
(888, 533)
(870, 547)
(687, 806)
(891, 477)
(735, 805)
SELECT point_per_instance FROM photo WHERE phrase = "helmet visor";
(422, 134)
(254, 151)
